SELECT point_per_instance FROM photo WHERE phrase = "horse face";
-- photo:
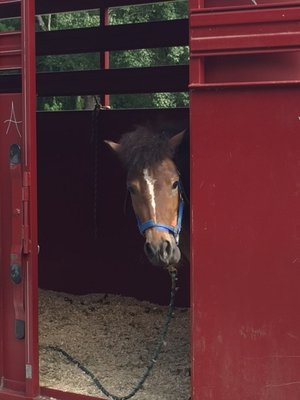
(155, 191)
(155, 196)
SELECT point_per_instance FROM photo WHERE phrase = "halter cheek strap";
(174, 230)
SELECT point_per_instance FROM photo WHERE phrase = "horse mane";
(144, 148)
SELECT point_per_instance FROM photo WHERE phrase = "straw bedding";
(114, 337)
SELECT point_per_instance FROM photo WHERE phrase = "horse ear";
(114, 146)
(177, 139)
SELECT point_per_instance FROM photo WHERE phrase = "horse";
(157, 194)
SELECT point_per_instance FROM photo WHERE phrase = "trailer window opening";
(10, 24)
(117, 101)
(176, 55)
(68, 20)
(148, 12)
(69, 62)
(146, 100)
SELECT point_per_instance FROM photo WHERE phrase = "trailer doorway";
(81, 192)
(74, 259)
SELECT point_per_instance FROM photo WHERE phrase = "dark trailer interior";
(73, 256)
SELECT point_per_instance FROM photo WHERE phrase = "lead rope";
(153, 360)
(95, 139)
(95, 142)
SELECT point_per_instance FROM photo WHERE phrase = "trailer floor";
(114, 337)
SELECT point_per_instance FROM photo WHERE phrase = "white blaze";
(150, 184)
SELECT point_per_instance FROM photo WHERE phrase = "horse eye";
(175, 185)
(130, 189)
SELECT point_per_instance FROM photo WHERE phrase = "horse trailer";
(62, 226)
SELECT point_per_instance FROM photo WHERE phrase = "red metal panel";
(12, 306)
(30, 198)
(59, 394)
(246, 244)
(241, 4)
(10, 50)
(273, 29)
(222, 42)
(246, 209)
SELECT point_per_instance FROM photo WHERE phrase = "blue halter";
(174, 230)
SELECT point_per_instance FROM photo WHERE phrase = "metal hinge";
(28, 371)
(25, 200)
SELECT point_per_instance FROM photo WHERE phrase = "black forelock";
(144, 148)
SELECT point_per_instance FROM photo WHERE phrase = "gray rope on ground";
(153, 360)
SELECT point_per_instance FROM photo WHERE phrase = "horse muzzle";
(162, 253)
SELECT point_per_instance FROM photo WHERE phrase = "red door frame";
(19, 298)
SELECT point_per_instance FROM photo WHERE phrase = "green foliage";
(148, 12)
(53, 105)
(70, 62)
(9, 24)
(69, 20)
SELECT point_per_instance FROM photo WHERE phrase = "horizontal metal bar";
(119, 37)
(44, 7)
(10, 50)
(232, 44)
(56, 6)
(9, 1)
(10, 60)
(233, 32)
(113, 81)
(12, 395)
(245, 17)
(10, 41)
(113, 123)
(232, 5)
(11, 83)
(58, 394)
(225, 85)
(12, 9)
(44, 117)
(121, 3)
(129, 80)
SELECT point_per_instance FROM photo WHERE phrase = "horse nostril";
(149, 250)
(166, 250)
(162, 254)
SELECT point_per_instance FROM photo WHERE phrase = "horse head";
(153, 182)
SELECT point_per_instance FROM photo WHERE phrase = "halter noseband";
(174, 230)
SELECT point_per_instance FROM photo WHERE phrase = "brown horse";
(156, 190)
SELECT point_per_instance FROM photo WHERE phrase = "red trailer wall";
(246, 211)
(246, 244)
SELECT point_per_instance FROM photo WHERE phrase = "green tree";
(9, 24)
